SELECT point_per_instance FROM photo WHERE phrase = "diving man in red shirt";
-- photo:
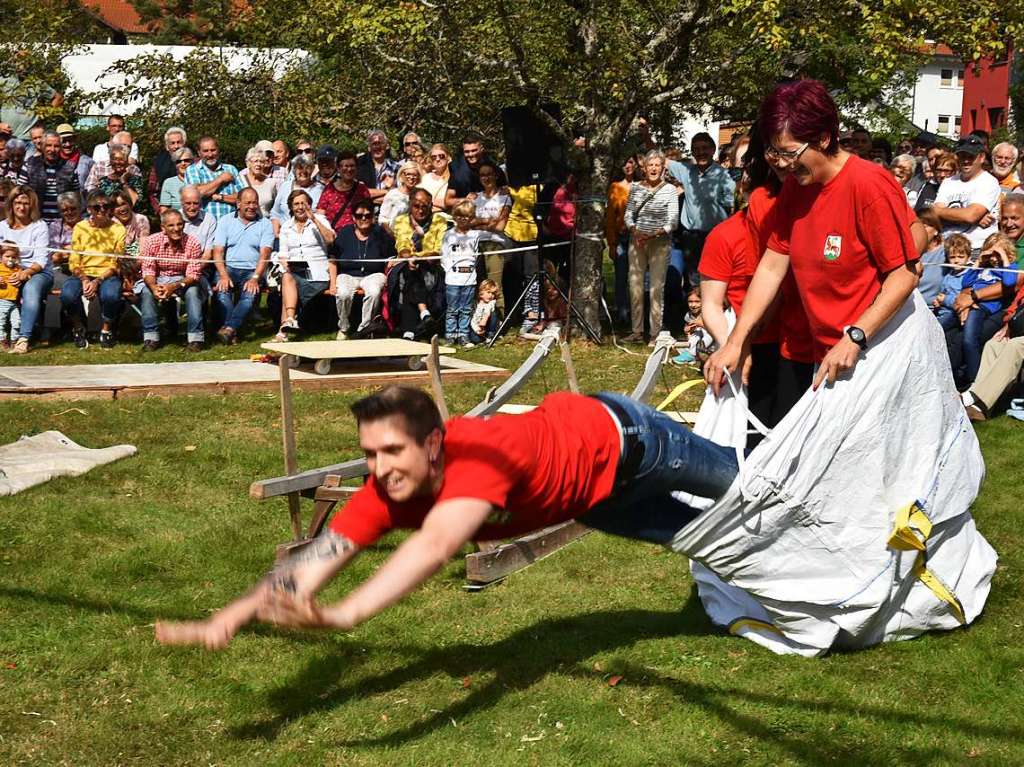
(605, 460)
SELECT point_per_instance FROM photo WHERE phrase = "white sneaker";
(468, 345)
(967, 398)
(290, 325)
(342, 336)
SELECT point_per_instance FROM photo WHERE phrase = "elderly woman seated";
(305, 242)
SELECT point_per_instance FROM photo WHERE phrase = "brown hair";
(958, 244)
(33, 199)
(415, 406)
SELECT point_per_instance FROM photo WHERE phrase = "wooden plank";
(288, 440)
(434, 369)
(516, 381)
(570, 369)
(312, 479)
(488, 567)
(335, 350)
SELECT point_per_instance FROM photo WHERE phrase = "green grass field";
(518, 674)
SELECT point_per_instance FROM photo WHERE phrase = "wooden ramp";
(219, 377)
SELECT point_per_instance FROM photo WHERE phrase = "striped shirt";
(658, 209)
(200, 173)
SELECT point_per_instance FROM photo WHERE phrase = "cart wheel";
(322, 367)
(416, 363)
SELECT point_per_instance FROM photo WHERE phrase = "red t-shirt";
(842, 238)
(332, 202)
(537, 469)
(728, 257)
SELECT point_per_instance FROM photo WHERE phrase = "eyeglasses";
(101, 206)
(362, 216)
(781, 154)
(307, 150)
(438, 157)
(410, 143)
(185, 161)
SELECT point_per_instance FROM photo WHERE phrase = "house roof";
(119, 15)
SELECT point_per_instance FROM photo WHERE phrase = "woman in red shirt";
(841, 224)
(781, 361)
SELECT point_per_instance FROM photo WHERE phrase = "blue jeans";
(149, 307)
(111, 300)
(489, 329)
(235, 311)
(661, 456)
(33, 301)
(459, 299)
(979, 327)
(948, 319)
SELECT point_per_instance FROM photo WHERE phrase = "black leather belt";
(632, 447)
(464, 269)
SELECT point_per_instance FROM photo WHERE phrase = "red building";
(987, 94)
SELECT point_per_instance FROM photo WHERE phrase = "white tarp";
(803, 539)
(39, 458)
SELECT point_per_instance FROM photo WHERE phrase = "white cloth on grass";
(802, 538)
(33, 460)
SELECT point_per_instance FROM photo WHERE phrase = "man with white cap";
(70, 151)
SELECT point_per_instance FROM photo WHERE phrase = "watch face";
(856, 335)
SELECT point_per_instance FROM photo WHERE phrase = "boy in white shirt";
(459, 251)
(485, 320)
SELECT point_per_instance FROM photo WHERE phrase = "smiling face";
(347, 170)
(703, 152)
(248, 204)
(802, 159)
(123, 211)
(903, 172)
(473, 153)
(1003, 160)
(300, 208)
(174, 142)
(488, 178)
(22, 207)
(970, 165)
(420, 205)
(401, 467)
(304, 174)
(51, 149)
(114, 126)
(1011, 220)
(118, 163)
(210, 153)
(377, 146)
(280, 154)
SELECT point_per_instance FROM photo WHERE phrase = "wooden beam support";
(488, 567)
(306, 480)
(434, 369)
(570, 369)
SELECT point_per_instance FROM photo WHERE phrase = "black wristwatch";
(857, 336)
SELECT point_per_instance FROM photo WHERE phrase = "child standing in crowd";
(485, 321)
(10, 264)
(958, 252)
(698, 339)
(459, 250)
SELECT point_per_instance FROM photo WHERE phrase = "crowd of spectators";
(416, 241)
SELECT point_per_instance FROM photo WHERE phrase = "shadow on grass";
(519, 661)
(562, 645)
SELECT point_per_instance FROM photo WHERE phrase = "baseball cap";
(65, 129)
(972, 145)
(264, 146)
(327, 153)
(926, 138)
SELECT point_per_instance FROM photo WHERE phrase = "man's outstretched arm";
(298, 578)
(448, 526)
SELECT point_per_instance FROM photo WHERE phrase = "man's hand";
(1002, 334)
(840, 358)
(252, 286)
(225, 178)
(284, 609)
(89, 287)
(224, 284)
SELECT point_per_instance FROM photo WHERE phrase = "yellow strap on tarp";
(674, 394)
(910, 533)
(751, 623)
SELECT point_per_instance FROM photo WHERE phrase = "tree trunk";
(589, 244)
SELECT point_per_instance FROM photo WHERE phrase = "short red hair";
(805, 109)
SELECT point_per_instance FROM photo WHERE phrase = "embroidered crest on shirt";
(833, 247)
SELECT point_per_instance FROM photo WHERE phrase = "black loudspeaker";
(534, 154)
